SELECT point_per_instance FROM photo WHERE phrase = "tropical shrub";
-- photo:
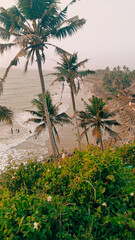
(87, 196)
(127, 153)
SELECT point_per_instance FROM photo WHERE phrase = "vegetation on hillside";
(88, 196)
(118, 80)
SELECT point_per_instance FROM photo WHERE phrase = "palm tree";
(68, 71)
(83, 123)
(55, 116)
(98, 117)
(6, 115)
(30, 25)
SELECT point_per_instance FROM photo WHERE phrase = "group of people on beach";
(18, 130)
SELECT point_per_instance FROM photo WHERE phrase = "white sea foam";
(19, 90)
(18, 93)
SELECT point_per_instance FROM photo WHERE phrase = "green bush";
(87, 196)
(127, 154)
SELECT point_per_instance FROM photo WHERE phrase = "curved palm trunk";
(101, 142)
(56, 145)
(86, 135)
(45, 104)
(76, 122)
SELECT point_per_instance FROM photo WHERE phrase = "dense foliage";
(89, 195)
(118, 79)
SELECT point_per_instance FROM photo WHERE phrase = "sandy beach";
(22, 146)
(124, 115)
(67, 132)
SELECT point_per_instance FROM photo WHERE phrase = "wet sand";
(67, 133)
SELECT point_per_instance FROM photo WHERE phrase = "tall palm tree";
(6, 115)
(68, 70)
(30, 25)
(55, 116)
(98, 117)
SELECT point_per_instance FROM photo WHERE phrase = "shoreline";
(124, 115)
(68, 141)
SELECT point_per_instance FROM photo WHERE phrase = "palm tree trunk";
(44, 102)
(86, 135)
(101, 142)
(56, 144)
(76, 122)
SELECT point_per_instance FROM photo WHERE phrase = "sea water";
(18, 91)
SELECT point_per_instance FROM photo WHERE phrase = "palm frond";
(47, 13)
(82, 63)
(85, 73)
(33, 9)
(58, 79)
(11, 19)
(112, 133)
(35, 120)
(34, 113)
(15, 61)
(69, 30)
(63, 118)
(5, 47)
(4, 34)
(63, 13)
(40, 128)
(58, 50)
(70, 20)
(111, 123)
(6, 115)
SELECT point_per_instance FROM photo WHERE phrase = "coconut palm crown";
(56, 118)
(30, 25)
(68, 70)
(97, 116)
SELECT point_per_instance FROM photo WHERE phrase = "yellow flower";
(131, 194)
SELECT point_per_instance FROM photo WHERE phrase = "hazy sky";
(107, 38)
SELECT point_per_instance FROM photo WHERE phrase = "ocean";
(19, 90)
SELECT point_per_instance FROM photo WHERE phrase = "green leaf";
(111, 177)
(102, 189)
